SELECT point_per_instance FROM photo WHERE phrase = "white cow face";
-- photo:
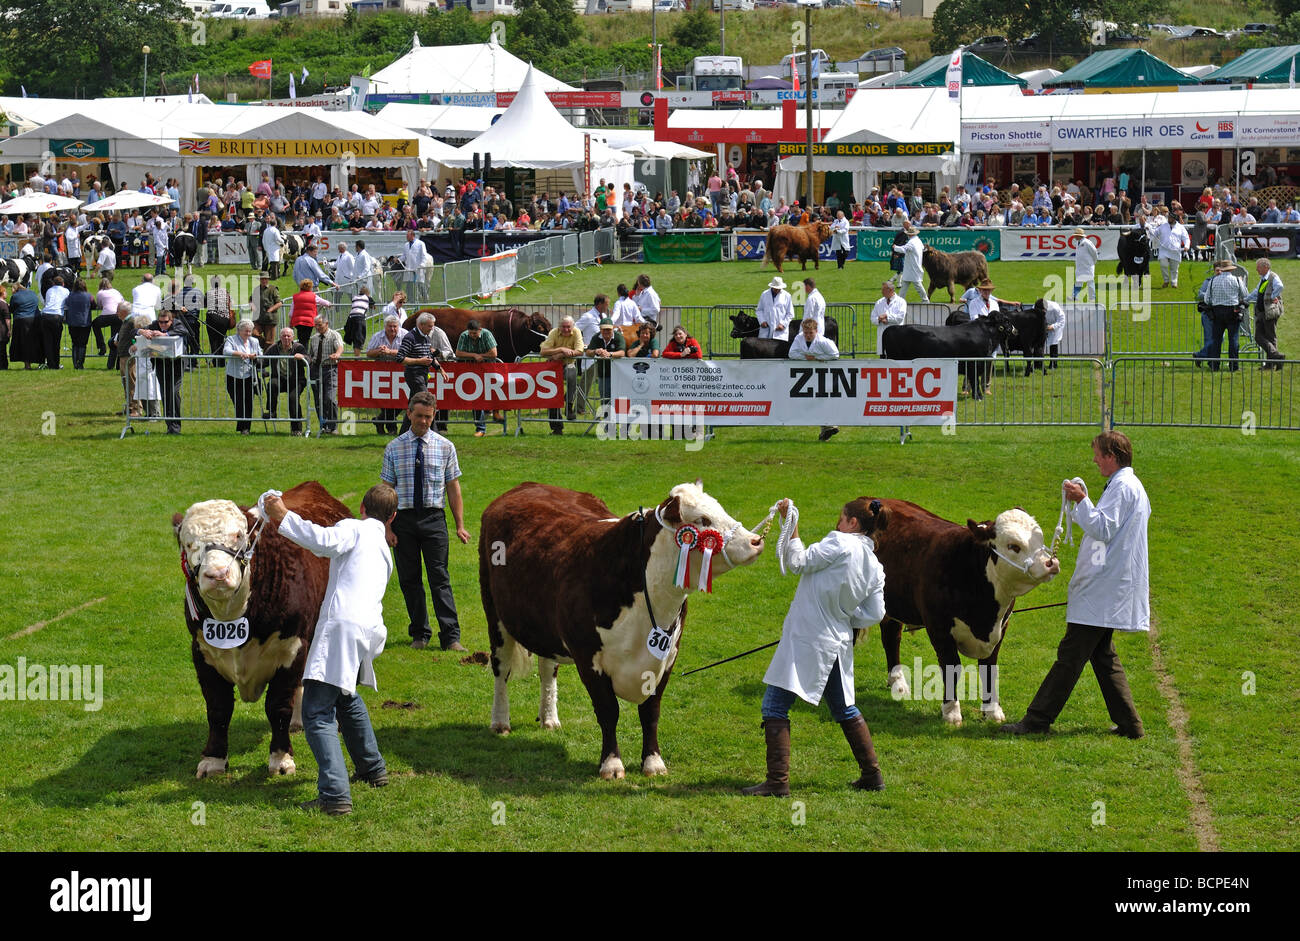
(210, 534)
(688, 503)
(1018, 542)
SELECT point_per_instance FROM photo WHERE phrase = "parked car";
(887, 54)
(1037, 44)
(989, 44)
(669, 6)
(824, 63)
(1257, 29)
(1196, 32)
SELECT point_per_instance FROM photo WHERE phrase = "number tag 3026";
(659, 643)
(224, 634)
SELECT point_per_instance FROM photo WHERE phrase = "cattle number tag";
(659, 643)
(224, 634)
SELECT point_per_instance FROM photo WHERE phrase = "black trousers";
(51, 339)
(218, 326)
(80, 337)
(110, 322)
(422, 547)
(1082, 645)
(294, 396)
(241, 394)
(170, 374)
(304, 333)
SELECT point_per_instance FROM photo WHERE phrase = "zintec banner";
(785, 392)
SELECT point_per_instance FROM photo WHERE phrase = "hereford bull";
(251, 615)
(564, 578)
(802, 241)
(973, 341)
(960, 583)
(745, 328)
(951, 269)
(517, 333)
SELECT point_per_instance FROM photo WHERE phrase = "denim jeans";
(777, 701)
(320, 704)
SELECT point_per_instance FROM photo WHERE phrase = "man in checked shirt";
(421, 466)
(1222, 301)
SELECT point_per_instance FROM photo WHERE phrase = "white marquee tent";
(478, 68)
(445, 122)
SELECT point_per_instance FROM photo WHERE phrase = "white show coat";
(843, 587)
(1085, 261)
(413, 255)
(588, 324)
(814, 306)
(350, 630)
(1054, 320)
(895, 312)
(912, 252)
(1172, 240)
(821, 348)
(976, 307)
(344, 269)
(272, 241)
(776, 312)
(626, 311)
(648, 300)
(1110, 586)
(840, 235)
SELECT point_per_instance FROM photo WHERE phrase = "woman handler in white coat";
(842, 588)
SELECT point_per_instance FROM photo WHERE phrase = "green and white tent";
(1121, 68)
(1273, 65)
(975, 73)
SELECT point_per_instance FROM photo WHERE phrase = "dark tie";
(419, 473)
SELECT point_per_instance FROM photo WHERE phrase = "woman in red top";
(682, 346)
(305, 304)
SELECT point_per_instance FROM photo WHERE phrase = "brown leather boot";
(778, 761)
(859, 736)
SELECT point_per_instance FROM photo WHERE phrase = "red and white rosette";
(688, 538)
(710, 541)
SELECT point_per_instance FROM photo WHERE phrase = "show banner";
(79, 151)
(1034, 243)
(356, 148)
(496, 386)
(878, 149)
(878, 244)
(751, 245)
(784, 392)
(683, 247)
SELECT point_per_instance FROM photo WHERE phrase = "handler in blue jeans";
(842, 588)
(350, 634)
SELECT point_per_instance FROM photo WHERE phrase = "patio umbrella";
(37, 203)
(128, 199)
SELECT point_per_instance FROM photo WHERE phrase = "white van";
(498, 7)
(245, 10)
(219, 10)
(620, 6)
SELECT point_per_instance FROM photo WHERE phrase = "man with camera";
(1222, 302)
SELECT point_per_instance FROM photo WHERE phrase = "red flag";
(794, 75)
(261, 69)
(659, 68)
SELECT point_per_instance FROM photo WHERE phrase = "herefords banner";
(1033, 243)
(785, 392)
(477, 386)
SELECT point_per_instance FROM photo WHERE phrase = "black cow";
(60, 271)
(1029, 338)
(974, 340)
(294, 245)
(1134, 252)
(17, 270)
(182, 250)
(744, 327)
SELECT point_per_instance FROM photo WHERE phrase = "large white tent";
(533, 135)
(445, 122)
(477, 68)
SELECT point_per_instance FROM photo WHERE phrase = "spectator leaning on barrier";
(288, 375)
(809, 345)
(478, 345)
(324, 350)
(241, 352)
(564, 343)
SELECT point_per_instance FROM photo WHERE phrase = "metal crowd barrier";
(1064, 391)
(1161, 327)
(1173, 392)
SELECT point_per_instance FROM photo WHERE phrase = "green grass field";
(85, 520)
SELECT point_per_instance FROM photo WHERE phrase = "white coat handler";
(1108, 593)
(842, 589)
(349, 635)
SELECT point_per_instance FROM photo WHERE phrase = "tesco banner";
(495, 386)
(785, 392)
(1032, 243)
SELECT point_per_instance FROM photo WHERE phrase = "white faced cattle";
(960, 583)
(564, 578)
(251, 610)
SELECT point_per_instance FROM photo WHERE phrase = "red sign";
(494, 386)
(261, 69)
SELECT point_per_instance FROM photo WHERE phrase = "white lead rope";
(1065, 521)
(787, 528)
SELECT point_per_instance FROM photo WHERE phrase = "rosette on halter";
(687, 537)
(710, 541)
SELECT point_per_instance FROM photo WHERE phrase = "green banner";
(880, 149)
(79, 150)
(878, 244)
(683, 247)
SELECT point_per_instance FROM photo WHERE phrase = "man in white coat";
(363, 266)
(1109, 592)
(891, 309)
(1171, 241)
(814, 305)
(1085, 265)
(913, 270)
(272, 243)
(842, 588)
(414, 255)
(840, 238)
(350, 634)
(774, 311)
(1054, 323)
(344, 270)
(812, 345)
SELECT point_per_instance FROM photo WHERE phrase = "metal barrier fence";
(1152, 390)
(1067, 392)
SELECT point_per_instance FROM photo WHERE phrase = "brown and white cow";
(564, 578)
(960, 583)
(251, 618)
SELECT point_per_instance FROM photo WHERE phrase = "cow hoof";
(653, 765)
(211, 767)
(994, 713)
(611, 769)
(549, 723)
(281, 762)
(501, 728)
(898, 687)
(952, 713)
